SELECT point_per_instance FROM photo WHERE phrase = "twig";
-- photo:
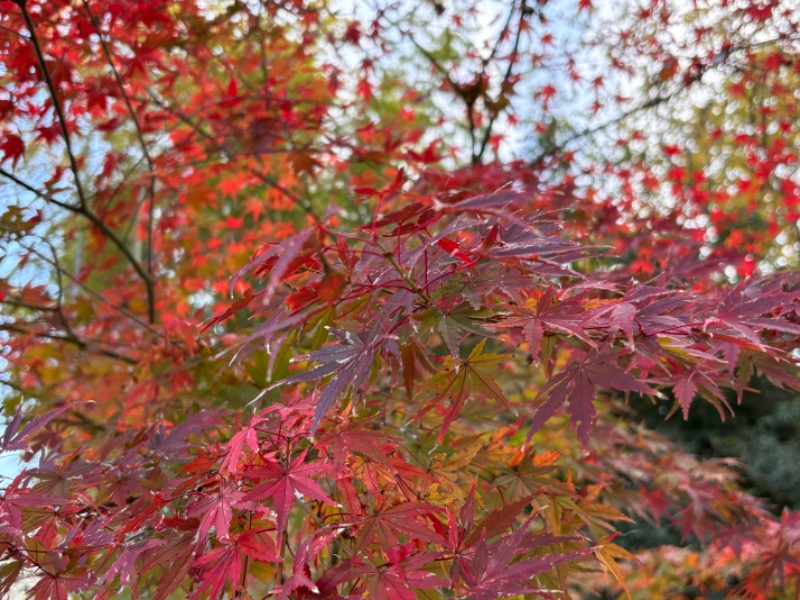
(99, 296)
(25, 185)
(506, 76)
(97, 222)
(83, 209)
(485, 62)
(60, 297)
(589, 131)
(720, 59)
(142, 143)
(74, 340)
(27, 305)
(435, 62)
(387, 254)
(62, 121)
(12, 32)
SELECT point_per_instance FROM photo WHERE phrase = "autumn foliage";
(287, 309)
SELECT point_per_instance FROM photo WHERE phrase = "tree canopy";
(320, 299)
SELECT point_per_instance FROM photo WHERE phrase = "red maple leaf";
(575, 387)
(397, 578)
(492, 572)
(285, 484)
(12, 147)
(407, 519)
(224, 563)
(247, 436)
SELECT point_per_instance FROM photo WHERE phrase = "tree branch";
(25, 185)
(62, 121)
(27, 305)
(720, 60)
(487, 134)
(139, 135)
(83, 209)
(589, 131)
(100, 297)
(104, 229)
(74, 340)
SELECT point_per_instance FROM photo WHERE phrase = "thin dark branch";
(25, 185)
(74, 340)
(458, 90)
(720, 60)
(58, 308)
(589, 131)
(512, 59)
(109, 197)
(60, 284)
(83, 209)
(62, 121)
(97, 295)
(12, 385)
(472, 138)
(145, 150)
(12, 32)
(97, 222)
(434, 61)
(27, 305)
(503, 32)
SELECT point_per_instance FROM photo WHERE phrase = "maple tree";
(284, 317)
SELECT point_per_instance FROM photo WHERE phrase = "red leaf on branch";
(284, 485)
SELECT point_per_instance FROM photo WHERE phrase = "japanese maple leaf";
(284, 256)
(685, 390)
(459, 382)
(14, 499)
(534, 238)
(284, 484)
(575, 386)
(215, 510)
(485, 279)
(247, 436)
(464, 534)
(447, 468)
(536, 317)
(405, 519)
(14, 438)
(624, 314)
(356, 437)
(495, 203)
(739, 314)
(527, 474)
(349, 362)
(12, 147)
(170, 442)
(216, 568)
(660, 314)
(175, 558)
(235, 307)
(50, 587)
(306, 554)
(455, 323)
(224, 563)
(399, 217)
(493, 572)
(736, 538)
(701, 379)
(126, 560)
(399, 577)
